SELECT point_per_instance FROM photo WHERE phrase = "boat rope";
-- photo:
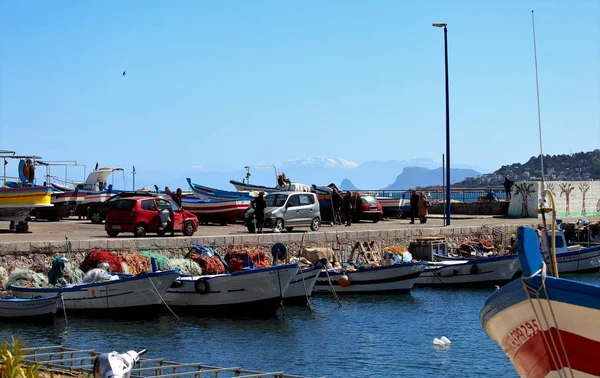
(160, 296)
(337, 299)
(305, 290)
(62, 299)
(550, 345)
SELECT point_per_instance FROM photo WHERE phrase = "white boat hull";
(398, 278)
(582, 260)
(482, 272)
(28, 309)
(301, 286)
(249, 292)
(125, 295)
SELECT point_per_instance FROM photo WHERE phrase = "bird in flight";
(124, 72)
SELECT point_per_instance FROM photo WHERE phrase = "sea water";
(379, 336)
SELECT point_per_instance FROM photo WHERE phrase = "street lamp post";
(448, 198)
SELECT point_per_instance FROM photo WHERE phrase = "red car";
(141, 215)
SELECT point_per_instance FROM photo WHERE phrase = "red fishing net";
(209, 265)
(97, 256)
(135, 262)
(235, 258)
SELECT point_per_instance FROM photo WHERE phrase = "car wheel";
(139, 230)
(112, 234)
(251, 228)
(315, 224)
(95, 217)
(279, 224)
(188, 228)
(289, 229)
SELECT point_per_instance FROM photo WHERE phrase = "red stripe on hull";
(535, 360)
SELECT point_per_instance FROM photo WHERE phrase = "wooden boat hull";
(546, 326)
(398, 278)
(218, 211)
(255, 292)
(242, 187)
(35, 309)
(127, 295)
(301, 287)
(17, 203)
(204, 192)
(580, 261)
(483, 272)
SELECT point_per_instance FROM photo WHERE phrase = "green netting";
(186, 266)
(26, 277)
(72, 273)
(3, 275)
(161, 261)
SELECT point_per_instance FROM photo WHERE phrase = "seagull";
(124, 72)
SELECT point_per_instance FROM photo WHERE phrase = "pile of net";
(97, 256)
(207, 259)
(477, 246)
(186, 266)
(3, 277)
(396, 254)
(235, 258)
(26, 277)
(162, 262)
(72, 273)
(134, 263)
(395, 249)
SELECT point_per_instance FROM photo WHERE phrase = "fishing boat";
(127, 295)
(32, 309)
(250, 292)
(396, 278)
(19, 196)
(547, 326)
(480, 272)
(204, 192)
(96, 188)
(301, 287)
(573, 258)
(218, 211)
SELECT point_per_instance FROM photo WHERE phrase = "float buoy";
(201, 286)
(23, 171)
(278, 251)
(344, 281)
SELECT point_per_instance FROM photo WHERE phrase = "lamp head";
(440, 24)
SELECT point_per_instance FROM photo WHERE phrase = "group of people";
(342, 207)
(418, 206)
(175, 196)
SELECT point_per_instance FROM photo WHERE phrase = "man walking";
(347, 208)
(414, 206)
(336, 201)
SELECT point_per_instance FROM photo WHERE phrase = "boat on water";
(573, 258)
(301, 287)
(395, 278)
(30, 309)
(217, 211)
(139, 294)
(249, 292)
(547, 326)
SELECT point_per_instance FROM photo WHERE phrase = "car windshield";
(369, 199)
(276, 200)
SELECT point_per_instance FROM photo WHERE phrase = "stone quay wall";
(38, 255)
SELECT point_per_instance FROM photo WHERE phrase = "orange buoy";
(344, 281)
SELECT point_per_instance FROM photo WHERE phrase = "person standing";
(423, 205)
(259, 204)
(508, 184)
(347, 208)
(414, 206)
(336, 202)
(177, 196)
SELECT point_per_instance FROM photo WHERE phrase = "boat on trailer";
(205, 192)
(218, 211)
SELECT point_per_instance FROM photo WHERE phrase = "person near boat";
(259, 204)
(508, 184)
(177, 197)
(336, 200)
(414, 206)
(423, 204)
(347, 208)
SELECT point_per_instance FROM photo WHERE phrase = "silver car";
(286, 210)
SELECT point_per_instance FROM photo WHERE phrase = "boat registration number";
(515, 339)
(116, 226)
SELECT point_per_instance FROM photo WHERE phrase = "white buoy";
(438, 342)
(496, 287)
(445, 340)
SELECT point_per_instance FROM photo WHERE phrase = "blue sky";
(224, 84)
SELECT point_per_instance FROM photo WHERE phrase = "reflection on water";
(384, 336)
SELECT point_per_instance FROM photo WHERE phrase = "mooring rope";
(332, 289)
(160, 296)
(305, 289)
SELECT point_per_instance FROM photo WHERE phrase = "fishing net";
(72, 273)
(97, 256)
(161, 261)
(208, 265)
(3, 277)
(236, 256)
(134, 263)
(186, 266)
(26, 277)
(395, 249)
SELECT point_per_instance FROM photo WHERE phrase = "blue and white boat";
(204, 192)
(126, 295)
(301, 287)
(33, 309)
(547, 326)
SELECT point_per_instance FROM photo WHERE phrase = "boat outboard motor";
(114, 365)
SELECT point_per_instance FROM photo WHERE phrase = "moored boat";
(250, 292)
(204, 192)
(32, 309)
(547, 326)
(301, 287)
(127, 295)
(396, 278)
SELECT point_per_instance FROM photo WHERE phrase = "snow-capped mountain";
(323, 162)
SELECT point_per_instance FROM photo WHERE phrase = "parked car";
(96, 212)
(367, 207)
(141, 215)
(287, 210)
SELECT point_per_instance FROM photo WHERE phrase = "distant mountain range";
(372, 175)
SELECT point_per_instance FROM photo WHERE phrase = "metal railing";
(461, 195)
(60, 358)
